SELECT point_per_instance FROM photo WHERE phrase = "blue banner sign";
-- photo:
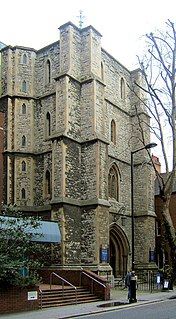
(104, 255)
(158, 279)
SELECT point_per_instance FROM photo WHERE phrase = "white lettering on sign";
(32, 295)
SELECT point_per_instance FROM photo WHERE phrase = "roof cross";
(81, 19)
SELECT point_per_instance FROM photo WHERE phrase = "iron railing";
(93, 280)
(146, 281)
(41, 298)
(64, 281)
(149, 281)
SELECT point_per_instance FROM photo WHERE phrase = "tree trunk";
(170, 235)
(170, 231)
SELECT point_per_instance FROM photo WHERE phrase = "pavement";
(71, 311)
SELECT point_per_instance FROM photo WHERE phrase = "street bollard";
(133, 286)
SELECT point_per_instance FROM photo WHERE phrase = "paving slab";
(71, 311)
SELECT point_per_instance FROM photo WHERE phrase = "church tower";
(69, 130)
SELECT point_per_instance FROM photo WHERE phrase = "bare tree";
(158, 67)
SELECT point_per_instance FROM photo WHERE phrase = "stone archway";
(119, 250)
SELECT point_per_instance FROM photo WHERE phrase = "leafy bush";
(20, 255)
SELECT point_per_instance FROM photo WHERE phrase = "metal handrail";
(93, 280)
(41, 298)
(63, 281)
(84, 273)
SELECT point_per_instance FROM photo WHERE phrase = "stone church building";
(69, 129)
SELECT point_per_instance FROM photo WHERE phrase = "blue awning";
(47, 232)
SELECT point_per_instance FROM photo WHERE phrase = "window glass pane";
(24, 58)
(23, 142)
(48, 184)
(23, 193)
(24, 86)
(113, 183)
(48, 124)
(24, 108)
(48, 72)
(122, 88)
(113, 131)
(23, 166)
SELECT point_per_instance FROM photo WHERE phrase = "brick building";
(69, 129)
(162, 247)
(1, 157)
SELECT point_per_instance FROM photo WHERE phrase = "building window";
(166, 258)
(48, 72)
(48, 184)
(23, 108)
(23, 193)
(113, 132)
(158, 228)
(23, 141)
(48, 124)
(23, 166)
(24, 86)
(24, 58)
(113, 187)
(122, 88)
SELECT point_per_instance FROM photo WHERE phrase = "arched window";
(48, 72)
(23, 193)
(23, 141)
(113, 132)
(122, 88)
(113, 183)
(23, 166)
(24, 86)
(23, 108)
(48, 184)
(24, 58)
(48, 124)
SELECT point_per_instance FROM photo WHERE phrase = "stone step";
(55, 297)
(65, 303)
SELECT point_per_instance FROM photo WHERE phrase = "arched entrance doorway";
(119, 250)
